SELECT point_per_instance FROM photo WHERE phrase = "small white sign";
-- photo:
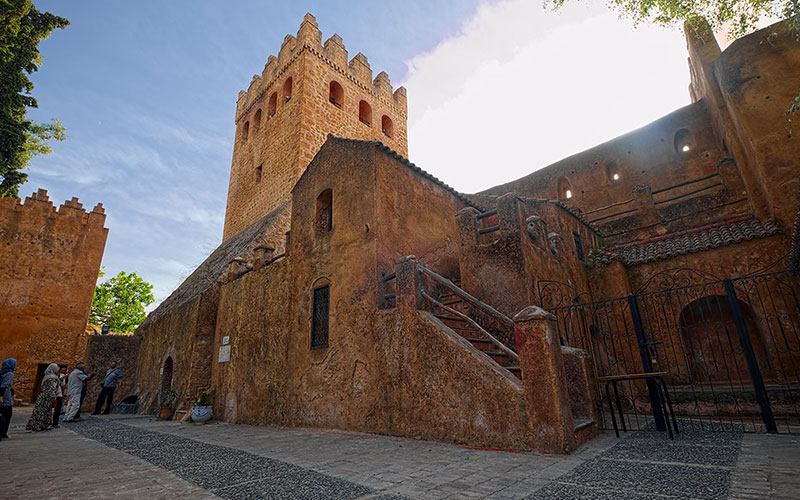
(224, 354)
(226, 340)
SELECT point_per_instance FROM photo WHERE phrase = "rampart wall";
(49, 263)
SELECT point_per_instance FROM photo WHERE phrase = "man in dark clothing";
(107, 392)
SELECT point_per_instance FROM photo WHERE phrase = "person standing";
(107, 392)
(62, 381)
(42, 415)
(84, 390)
(6, 395)
(75, 384)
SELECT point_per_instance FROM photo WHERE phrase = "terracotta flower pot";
(164, 413)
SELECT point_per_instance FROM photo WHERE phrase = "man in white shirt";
(74, 386)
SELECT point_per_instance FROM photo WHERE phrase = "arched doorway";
(713, 350)
(166, 376)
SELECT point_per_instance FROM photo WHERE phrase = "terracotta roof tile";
(685, 242)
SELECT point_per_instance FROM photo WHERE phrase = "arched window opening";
(336, 94)
(166, 378)
(612, 171)
(365, 113)
(287, 89)
(564, 189)
(272, 105)
(683, 141)
(323, 220)
(245, 130)
(320, 316)
(257, 120)
(387, 126)
(711, 340)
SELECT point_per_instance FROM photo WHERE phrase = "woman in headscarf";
(42, 415)
(6, 395)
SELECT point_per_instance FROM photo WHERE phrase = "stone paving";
(142, 458)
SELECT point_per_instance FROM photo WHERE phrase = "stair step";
(470, 329)
(481, 344)
(451, 302)
(500, 358)
(451, 318)
(582, 423)
(514, 371)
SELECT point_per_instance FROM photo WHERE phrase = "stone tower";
(307, 92)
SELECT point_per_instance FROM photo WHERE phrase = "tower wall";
(282, 136)
(49, 263)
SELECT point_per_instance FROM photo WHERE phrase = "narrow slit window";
(245, 130)
(323, 221)
(320, 315)
(578, 245)
(258, 172)
(287, 90)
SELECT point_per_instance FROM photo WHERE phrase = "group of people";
(56, 386)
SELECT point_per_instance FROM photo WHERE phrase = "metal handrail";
(684, 195)
(489, 229)
(607, 207)
(485, 214)
(464, 295)
(475, 325)
(597, 219)
(685, 183)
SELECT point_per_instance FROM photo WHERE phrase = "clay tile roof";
(214, 266)
(685, 242)
(403, 160)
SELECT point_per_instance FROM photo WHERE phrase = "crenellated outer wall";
(49, 263)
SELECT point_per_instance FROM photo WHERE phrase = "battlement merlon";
(40, 202)
(333, 50)
(309, 33)
(360, 70)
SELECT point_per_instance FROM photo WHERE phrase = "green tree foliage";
(22, 27)
(738, 16)
(120, 301)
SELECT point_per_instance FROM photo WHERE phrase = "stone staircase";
(470, 333)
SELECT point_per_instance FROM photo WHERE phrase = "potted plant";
(201, 411)
(165, 411)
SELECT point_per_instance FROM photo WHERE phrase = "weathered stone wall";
(416, 216)
(101, 350)
(186, 334)
(645, 156)
(757, 76)
(285, 142)
(49, 263)
(252, 387)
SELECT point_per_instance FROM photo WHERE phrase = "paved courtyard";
(141, 458)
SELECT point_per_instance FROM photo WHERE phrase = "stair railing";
(474, 302)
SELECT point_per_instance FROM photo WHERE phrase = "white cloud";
(520, 88)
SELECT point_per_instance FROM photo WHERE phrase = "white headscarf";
(50, 372)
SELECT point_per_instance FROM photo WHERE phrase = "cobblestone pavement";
(142, 458)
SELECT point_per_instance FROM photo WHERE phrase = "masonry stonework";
(49, 264)
(357, 291)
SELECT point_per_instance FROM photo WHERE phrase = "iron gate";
(730, 348)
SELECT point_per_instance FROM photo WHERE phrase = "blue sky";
(147, 92)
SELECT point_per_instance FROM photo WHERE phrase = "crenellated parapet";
(38, 204)
(334, 53)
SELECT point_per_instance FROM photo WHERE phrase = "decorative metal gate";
(729, 348)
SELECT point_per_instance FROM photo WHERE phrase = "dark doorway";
(37, 386)
(166, 376)
(714, 353)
